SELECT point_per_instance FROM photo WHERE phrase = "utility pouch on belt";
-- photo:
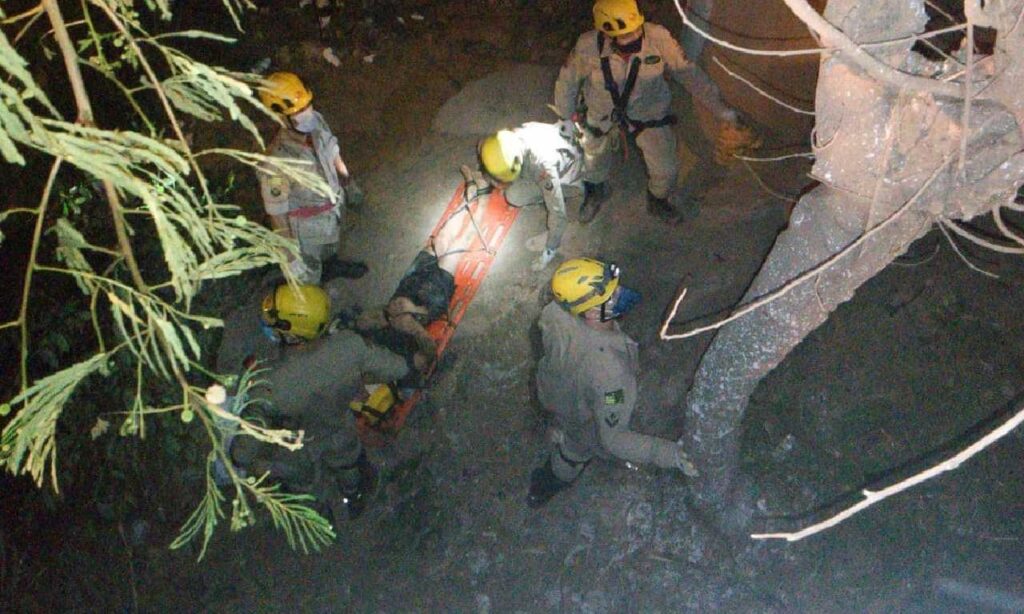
(376, 404)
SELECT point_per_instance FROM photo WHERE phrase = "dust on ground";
(923, 353)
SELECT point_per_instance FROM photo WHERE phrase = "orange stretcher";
(380, 414)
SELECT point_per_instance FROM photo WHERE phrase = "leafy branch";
(161, 185)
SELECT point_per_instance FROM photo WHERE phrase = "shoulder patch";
(615, 397)
(612, 420)
(652, 59)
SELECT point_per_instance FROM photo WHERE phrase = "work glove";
(684, 464)
(734, 138)
(354, 196)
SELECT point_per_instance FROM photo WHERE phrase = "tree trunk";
(890, 159)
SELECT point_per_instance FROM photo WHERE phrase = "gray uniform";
(648, 104)
(552, 161)
(311, 386)
(587, 379)
(315, 221)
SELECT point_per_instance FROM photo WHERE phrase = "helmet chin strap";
(604, 313)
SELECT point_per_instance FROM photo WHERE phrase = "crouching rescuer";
(308, 387)
(587, 379)
(535, 163)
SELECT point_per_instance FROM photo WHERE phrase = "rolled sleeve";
(619, 441)
(551, 189)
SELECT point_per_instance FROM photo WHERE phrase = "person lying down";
(425, 290)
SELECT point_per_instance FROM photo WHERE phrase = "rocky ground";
(920, 356)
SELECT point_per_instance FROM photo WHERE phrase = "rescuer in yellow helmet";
(536, 163)
(307, 387)
(621, 69)
(587, 379)
(311, 217)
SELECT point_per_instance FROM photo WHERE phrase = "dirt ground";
(899, 376)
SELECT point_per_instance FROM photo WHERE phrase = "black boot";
(594, 195)
(544, 484)
(661, 208)
(355, 499)
(347, 269)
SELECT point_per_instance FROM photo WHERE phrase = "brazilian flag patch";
(652, 59)
(615, 397)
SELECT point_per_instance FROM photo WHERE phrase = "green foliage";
(143, 184)
(27, 444)
(204, 518)
(304, 528)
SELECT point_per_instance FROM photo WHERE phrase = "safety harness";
(620, 98)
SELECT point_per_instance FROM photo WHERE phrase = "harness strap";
(620, 99)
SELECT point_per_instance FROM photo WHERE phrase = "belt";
(306, 212)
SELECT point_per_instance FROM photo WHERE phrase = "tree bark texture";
(884, 156)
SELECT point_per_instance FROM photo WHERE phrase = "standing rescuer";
(620, 68)
(296, 211)
(308, 388)
(536, 162)
(587, 379)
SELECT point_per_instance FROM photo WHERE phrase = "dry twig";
(996, 247)
(857, 54)
(800, 279)
(872, 497)
(764, 186)
(761, 91)
(956, 250)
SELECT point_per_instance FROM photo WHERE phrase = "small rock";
(640, 519)
(785, 446)
(332, 59)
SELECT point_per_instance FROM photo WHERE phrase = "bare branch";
(723, 43)
(956, 249)
(884, 73)
(997, 215)
(765, 187)
(794, 52)
(26, 286)
(941, 11)
(67, 50)
(810, 273)
(996, 247)
(806, 154)
(872, 497)
(965, 116)
(761, 91)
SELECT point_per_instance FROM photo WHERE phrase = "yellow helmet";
(301, 312)
(582, 283)
(617, 17)
(285, 93)
(501, 156)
